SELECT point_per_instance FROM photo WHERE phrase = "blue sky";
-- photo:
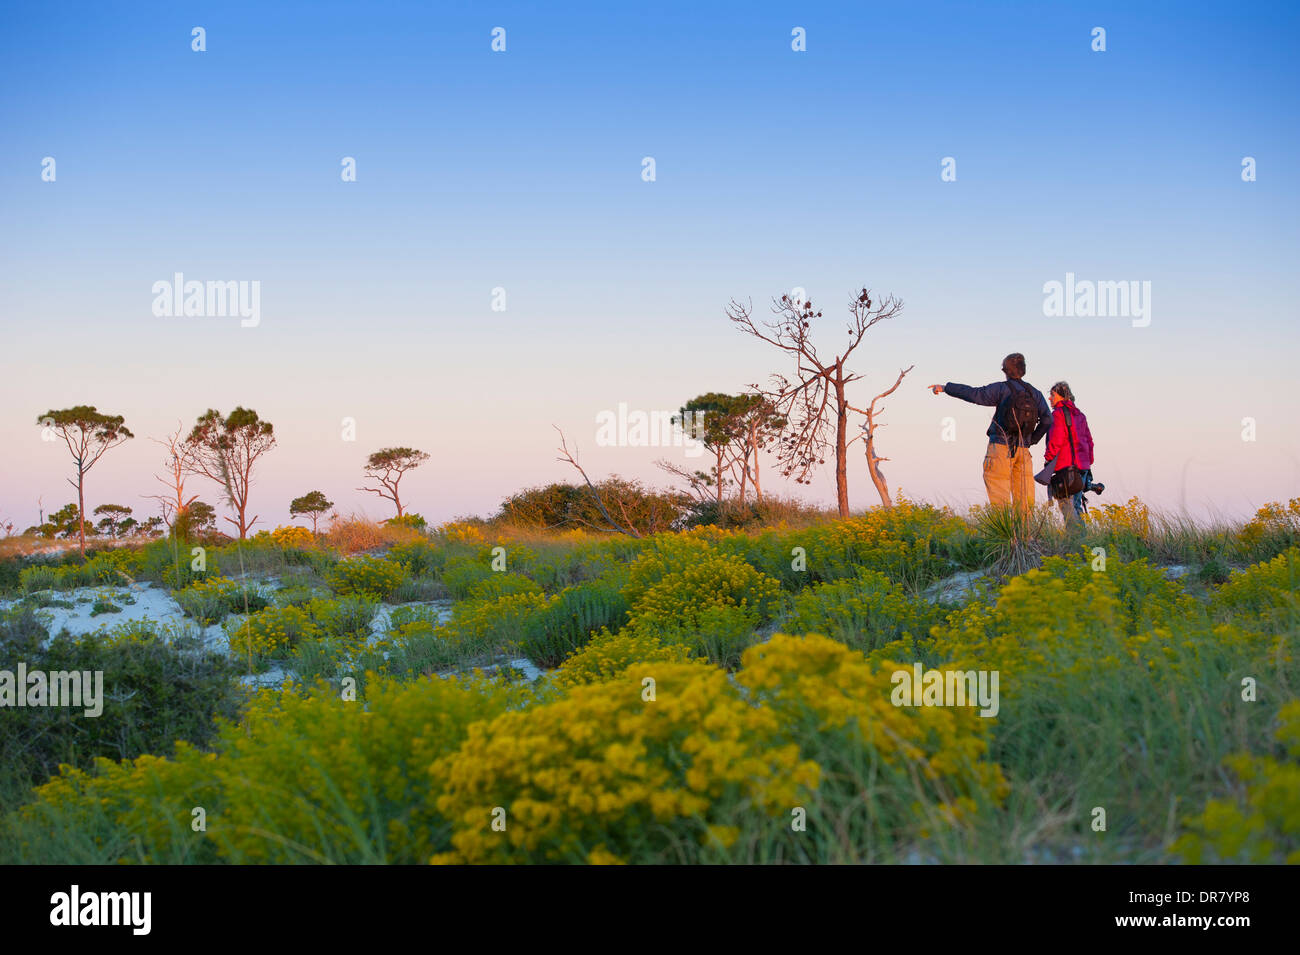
(522, 170)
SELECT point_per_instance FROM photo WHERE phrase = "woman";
(1067, 419)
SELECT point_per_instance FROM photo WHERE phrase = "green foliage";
(155, 691)
(1118, 687)
(420, 558)
(303, 777)
(210, 599)
(562, 506)
(866, 612)
(566, 621)
(413, 521)
(1274, 528)
(1009, 540)
(114, 567)
(462, 574)
(312, 504)
(1264, 595)
(501, 584)
(1259, 822)
(21, 631)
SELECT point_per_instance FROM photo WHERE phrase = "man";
(1020, 419)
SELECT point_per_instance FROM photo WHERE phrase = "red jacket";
(1058, 440)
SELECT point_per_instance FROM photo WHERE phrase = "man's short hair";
(1014, 365)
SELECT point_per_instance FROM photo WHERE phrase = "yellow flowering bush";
(607, 770)
(1260, 822)
(375, 577)
(272, 632)
(341, 634)
(308, 770)
(462, 532)
(822, 691)
(670, 553)
(1132, 517)
(680, 595)
(501, 584)
(909, 543)
(608, 655)
(1275, 526)
(1146, 596)
(138, 810)
(1265, 593)
(293, 536)
(1037, 616)
(209, 599)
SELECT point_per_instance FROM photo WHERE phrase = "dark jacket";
(996, 394)
(1058, 439)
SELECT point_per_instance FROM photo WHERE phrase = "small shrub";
(1257, 823)
(293, 536)
(271, 633)
(607, 655)
(1273, 529)
(211, 599)
(412, 521)
(420, 557)
(462, 574)
(866, 612)
(681, 594)
(566, 621)
(157, 688)
(102, 606)
(374, 577)
(501, 585)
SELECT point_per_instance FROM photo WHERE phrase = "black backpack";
(1019, 416)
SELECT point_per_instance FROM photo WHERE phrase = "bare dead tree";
(815, 401)
(180, 463)
(699, 482)
(869, 438)
(566, 455)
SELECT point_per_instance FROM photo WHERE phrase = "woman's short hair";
(1062, 388)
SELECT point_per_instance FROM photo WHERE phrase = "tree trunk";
(841, 443)
(81, 510)
(718, 470)
(873, 467)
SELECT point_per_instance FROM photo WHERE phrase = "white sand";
(156, 604)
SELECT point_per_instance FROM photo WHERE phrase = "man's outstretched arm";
(987, 395)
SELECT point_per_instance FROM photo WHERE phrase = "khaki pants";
(1008, 478)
